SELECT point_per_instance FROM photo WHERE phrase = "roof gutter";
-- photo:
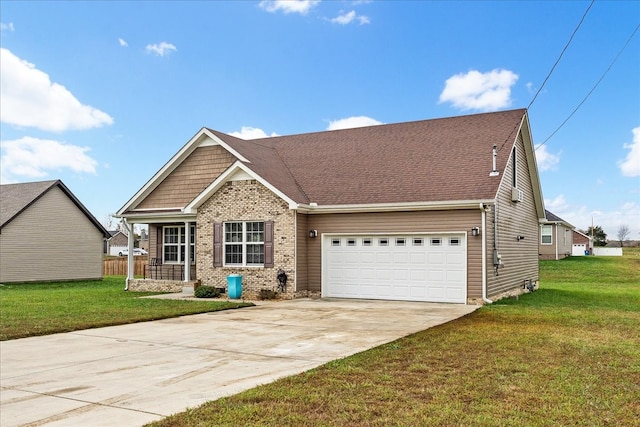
(313, 208)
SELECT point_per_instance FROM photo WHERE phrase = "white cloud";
(630, 166)
(345, 18)
(123, 43)
(28, 98)
(289, 6)
(33, 158)
(352, 122)
(248, 132)
(161, 49)
(546, 160)
(479, 91)
(348, 17)
(7, 27)
(610, 220)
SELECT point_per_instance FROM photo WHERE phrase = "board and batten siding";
(519, 257)
(52, 240)
(450, 221)
(188, 180)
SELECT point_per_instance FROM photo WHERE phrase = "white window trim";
(542, 234)
(244, 243)
(181, 234)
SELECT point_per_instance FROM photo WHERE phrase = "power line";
(584, 15)
(593, 88)
(561, 53)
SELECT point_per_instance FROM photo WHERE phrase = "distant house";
(46, 234)
(556, 237)
(582, 244)
(116, 243)
(443, 210)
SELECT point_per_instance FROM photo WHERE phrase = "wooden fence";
(117, 266)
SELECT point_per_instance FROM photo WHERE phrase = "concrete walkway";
(133, 374)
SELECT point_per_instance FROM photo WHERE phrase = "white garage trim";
(395, 266)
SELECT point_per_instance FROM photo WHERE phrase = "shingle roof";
(445, 159)
(15, 198)
(551, 217)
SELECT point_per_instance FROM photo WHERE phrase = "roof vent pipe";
(494, 171)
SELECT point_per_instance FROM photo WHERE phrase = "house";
(556, 237)
(443, 210)
(582, 244)
(46, 234)
(116, 243)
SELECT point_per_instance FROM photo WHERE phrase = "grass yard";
(566, 355)
(41, 309)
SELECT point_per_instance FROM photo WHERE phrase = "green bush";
(207, 292)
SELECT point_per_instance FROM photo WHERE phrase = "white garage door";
(410, 267)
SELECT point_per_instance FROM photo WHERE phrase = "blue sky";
(102, 94)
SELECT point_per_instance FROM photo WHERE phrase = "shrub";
(207, 292)
(266, 294)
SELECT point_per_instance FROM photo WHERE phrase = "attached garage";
(420, 267)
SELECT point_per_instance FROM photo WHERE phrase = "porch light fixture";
(475, 231)
(518, 238)
(313, 234)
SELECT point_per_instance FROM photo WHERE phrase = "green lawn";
(40, 309)
(566, 355)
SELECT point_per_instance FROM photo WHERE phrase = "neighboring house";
(556, 237)
(581, 244)
(46, 234)
(116, 243)
(443, 210)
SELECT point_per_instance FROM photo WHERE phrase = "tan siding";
(520, 258)
(192, 176)
(398, 222)
(302, 240)
(51, 240)
(562, 239)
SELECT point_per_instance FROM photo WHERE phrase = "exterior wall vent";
(516, 195)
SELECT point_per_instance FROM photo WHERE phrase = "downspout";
(130, 263)
(484, 254)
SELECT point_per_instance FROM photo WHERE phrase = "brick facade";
(247, 201)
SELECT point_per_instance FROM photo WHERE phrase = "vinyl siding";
(520, 258)
(393, 222)
(51, 240)
(188, 180)
(562, 239)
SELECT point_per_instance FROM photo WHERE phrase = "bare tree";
(623, 233)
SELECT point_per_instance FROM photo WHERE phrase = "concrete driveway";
(133, 374)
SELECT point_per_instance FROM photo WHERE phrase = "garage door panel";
(417, 268)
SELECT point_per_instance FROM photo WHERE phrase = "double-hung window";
(546, 235)
(244, 243)
(173, 244)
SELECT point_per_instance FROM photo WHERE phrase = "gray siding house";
(556, 237)
(443, 210)
(46, 234)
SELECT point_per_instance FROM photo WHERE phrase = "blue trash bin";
(234, 282)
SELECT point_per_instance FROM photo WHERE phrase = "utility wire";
(561, 53)
(593, 88)
(566, 46)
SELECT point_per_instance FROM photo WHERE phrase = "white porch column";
(187, 251)
(130, 262)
